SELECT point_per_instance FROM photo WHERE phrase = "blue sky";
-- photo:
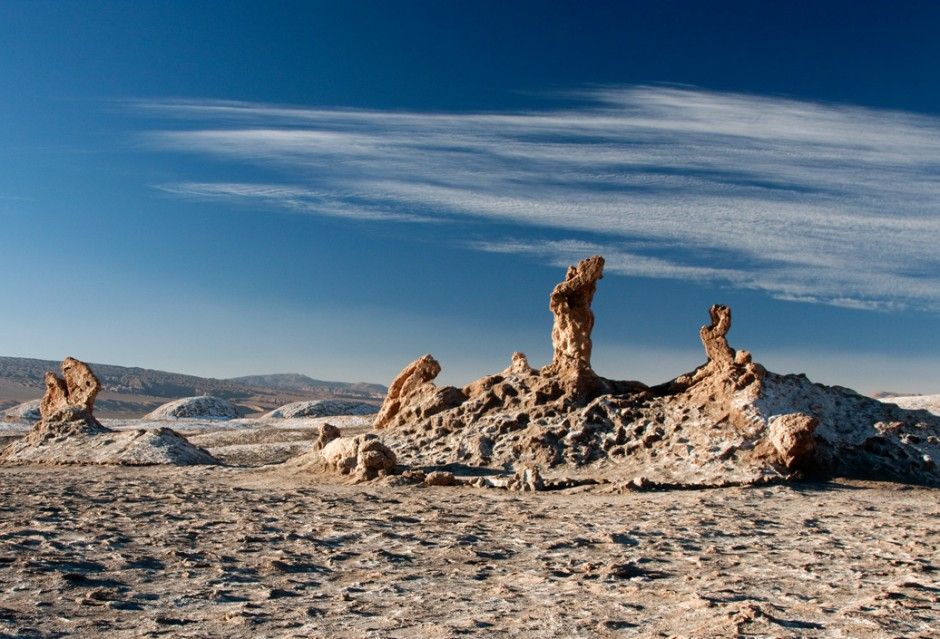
(337, 188)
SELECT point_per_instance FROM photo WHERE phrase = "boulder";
(440, 478)
(792, 438)
(327, 433)
(363, 457)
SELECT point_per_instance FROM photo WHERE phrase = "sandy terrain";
(262, 551)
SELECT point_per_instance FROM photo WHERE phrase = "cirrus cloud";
(806, 201)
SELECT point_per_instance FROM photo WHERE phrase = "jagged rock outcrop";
(570, 303)
(413, 395)
(564, 384)
(68, 432)
(713, 336)
(74, 392)
(202, 407)
(730, 421)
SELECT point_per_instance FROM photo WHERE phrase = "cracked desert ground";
(216, 551)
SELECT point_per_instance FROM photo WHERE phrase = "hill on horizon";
(134, 391)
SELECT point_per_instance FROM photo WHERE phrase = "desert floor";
(248, 552)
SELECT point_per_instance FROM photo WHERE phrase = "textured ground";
(245, 552)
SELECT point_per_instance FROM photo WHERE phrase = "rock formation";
(793, 438)
(68, 404)
(730, 421)
(27, 412)
(570, 303)
(201, 407)
(565, 383)
(360, 458)
(328, 432)
(74, 392)
(68, 432)
(321, 408)
(413, 395)
(719, 354)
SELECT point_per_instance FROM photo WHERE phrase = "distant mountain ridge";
(297, 381)
(124, 386)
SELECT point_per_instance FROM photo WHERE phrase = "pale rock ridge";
(321, 408)
(200, 407)
(68, 432)
(25, 412)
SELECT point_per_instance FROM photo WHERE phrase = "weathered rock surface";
(792, 437)
(328, 432)
(728, 422)
(414, 396)
(440, 478)
(68, 432)
(91, 446)
(75, 391)
(361, 458)
(203, 407)
(321, 408)
(570, 303)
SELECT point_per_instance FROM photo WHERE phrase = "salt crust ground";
(914, 402)
(248, 552)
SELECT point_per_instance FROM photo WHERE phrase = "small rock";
(440, 478)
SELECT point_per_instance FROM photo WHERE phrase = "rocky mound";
(203, 407)
(321, 408)
(68, 432)
(27, 412)
(359, 458)
(728, 422)
(929, 403)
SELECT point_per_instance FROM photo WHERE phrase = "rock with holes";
(728, 422)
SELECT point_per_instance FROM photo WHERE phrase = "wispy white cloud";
(292, 198)
(811, 202)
